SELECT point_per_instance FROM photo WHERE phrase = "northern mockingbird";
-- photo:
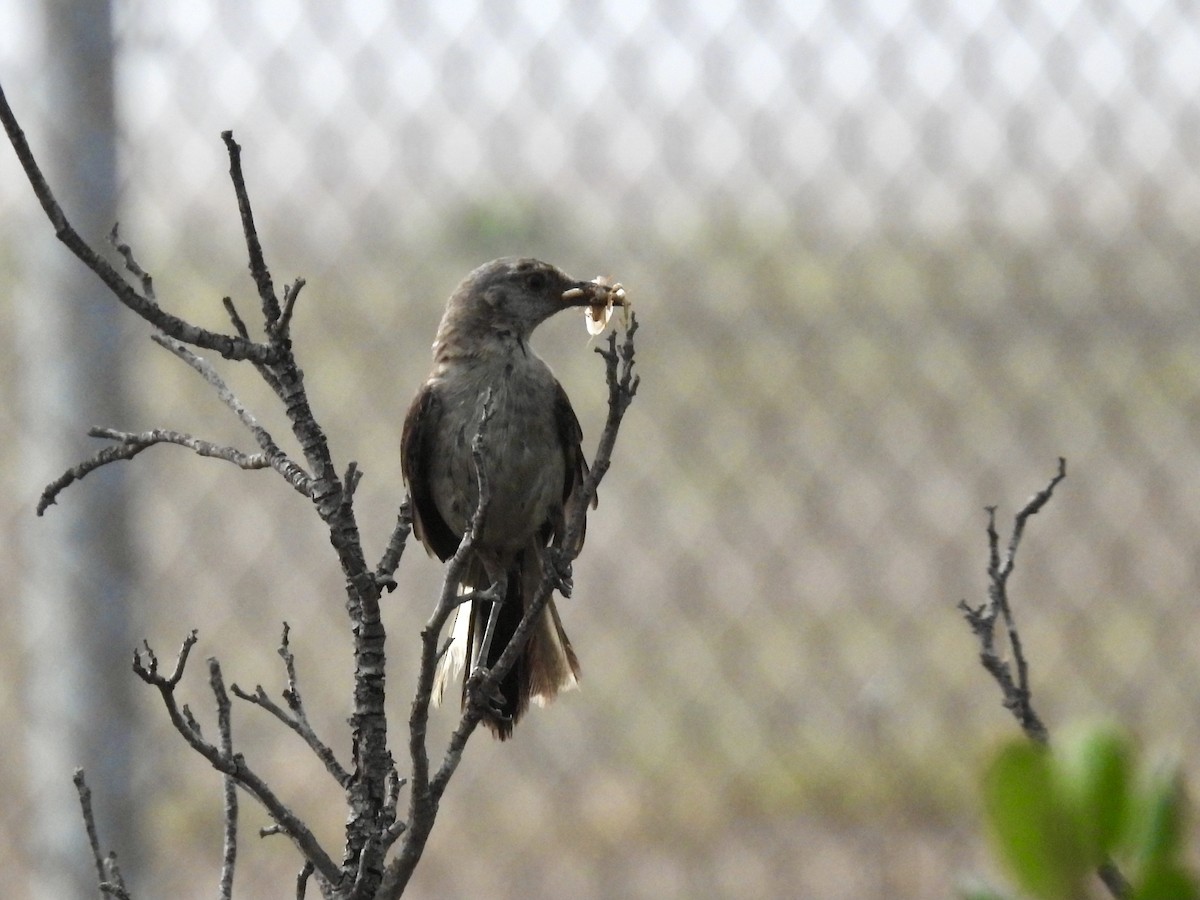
(532, 459)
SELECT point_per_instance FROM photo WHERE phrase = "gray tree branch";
(1015, 689)
(230, 764)
(145, 307)
(108, 873)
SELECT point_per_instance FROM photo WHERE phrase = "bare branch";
(140, 440)
(279, 461)
(89, 822)
(232, 764)
(266, 372)
(350, 482)
(390, 561)
(145, 307)
(1114, 879)
(235, 318)
(108, 874)
(225, 731)
(1016, 691)
(148, 670)
(258, 266)
(131, 264)
(302, 880)
(398, 826)
(297, 720)
(622, 387)
(290, 293)
(191, 721)
(373, 789)
(130, 444)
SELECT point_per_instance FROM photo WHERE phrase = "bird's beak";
(597, 292)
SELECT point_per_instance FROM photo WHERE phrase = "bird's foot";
(559, 566)
(486, 697)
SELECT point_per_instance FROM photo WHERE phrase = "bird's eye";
(536, 281)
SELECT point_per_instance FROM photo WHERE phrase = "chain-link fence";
(891, 260)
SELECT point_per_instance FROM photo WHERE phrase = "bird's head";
(512, 296)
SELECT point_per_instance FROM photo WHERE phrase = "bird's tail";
(546, 666)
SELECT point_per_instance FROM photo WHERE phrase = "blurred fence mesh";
(891, 261)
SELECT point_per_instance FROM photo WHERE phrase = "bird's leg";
(488, 595)
(498, 590)
(493, 701)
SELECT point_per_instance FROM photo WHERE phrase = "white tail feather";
(450, 666)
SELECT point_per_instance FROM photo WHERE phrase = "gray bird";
(532, 459)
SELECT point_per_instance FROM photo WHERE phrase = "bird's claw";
(490, 701)
(561, 572)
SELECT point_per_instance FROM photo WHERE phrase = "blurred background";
(891, 260)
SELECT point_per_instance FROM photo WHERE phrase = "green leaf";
(1093, 766)
(1167, 883)
(1158, 831)
(1035, 836)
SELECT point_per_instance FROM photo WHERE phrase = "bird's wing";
(416, 452)
(570, 434)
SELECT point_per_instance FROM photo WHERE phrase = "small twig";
(225, 731)
(1114, 879)
(228, 346)
(1017, 694)
(145, 665)
(391, 809)
(89, 822)
(1016, 691)
(191, 721)
(131, 264)
(282, 328)
(147, 670)
(297, 721)
(130, 444)
(235, 318)
(291, 471)
(385, 572)
(622, 387)
(265, 371)
(350, 482)
(302, 880)
(258, 266)
(114, 885)
(137, 441)
(108, 874)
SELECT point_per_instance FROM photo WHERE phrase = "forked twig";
(1016, 690)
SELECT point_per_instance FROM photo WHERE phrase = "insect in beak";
(600, 301)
